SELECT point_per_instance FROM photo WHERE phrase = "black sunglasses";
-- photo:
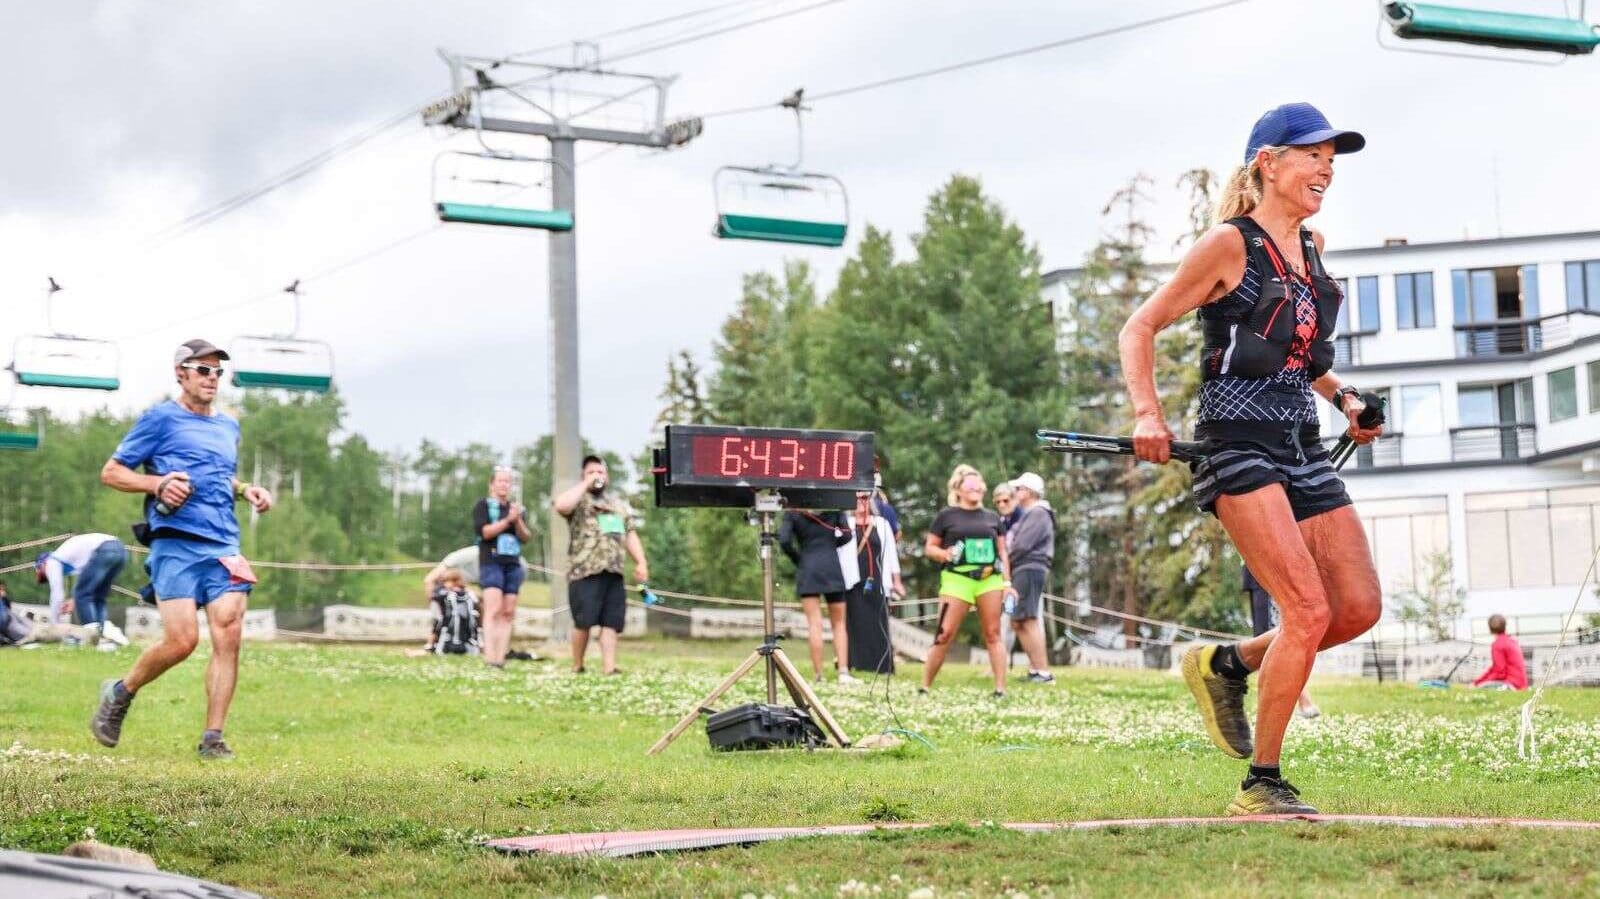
(205, 371)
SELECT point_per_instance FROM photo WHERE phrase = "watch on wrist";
(1343, 392)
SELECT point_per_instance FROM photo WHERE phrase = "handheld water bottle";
(650, 599)
(1010, 602)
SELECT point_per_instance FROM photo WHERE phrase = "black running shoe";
(215, 751)
(106, 725)
(519, 655)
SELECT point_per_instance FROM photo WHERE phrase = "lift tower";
(564, 104)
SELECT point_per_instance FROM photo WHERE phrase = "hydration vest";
(1258, 340)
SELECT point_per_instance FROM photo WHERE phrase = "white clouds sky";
(125, 116)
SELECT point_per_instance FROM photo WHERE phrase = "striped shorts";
(1246, 459)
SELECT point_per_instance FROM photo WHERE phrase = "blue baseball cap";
(1296, 125)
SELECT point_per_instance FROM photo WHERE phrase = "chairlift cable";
(993, 58)
(721, 31)
(666, 20)
(327, 272)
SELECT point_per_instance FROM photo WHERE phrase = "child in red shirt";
(1505, 660)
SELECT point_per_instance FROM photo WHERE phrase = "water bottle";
(870, 585)
(650, 599)
(1010, 603)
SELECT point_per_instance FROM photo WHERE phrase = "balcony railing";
(1346, 351)
(1381, 453)
(1513, 441)
(1511, 337)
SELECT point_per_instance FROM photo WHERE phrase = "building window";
(1421, 409)
(1594, 387)
(1490, 294)
(1532, 538)
(1341, 326)
(1413, 300)
(1487, 405)
(1562, 385)
(1367, 301)
(1583, 285)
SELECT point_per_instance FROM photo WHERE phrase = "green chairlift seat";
(1491, 28)
(60, 360)
(27, 441)
(476, 214)
(281, 363)
(781, 205)
(755, 227)
(75, 382)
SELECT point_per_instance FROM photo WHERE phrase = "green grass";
(362, 773)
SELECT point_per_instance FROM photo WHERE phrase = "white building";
(1489, 354)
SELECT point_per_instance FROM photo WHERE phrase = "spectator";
(1006, 505)
(465, 560)
(1506, 669)
(499, 524)
(867, 603)
(818, 543)
(1031, 540)
(454, 610)
(881, 505)
(1263, 618)
(14, 629)
(94, 560)
(602, 527)
(965, 539)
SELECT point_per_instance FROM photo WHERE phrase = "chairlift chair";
(17, 432)
(64, 360)
(782, 203)
(472, 186)
(1492, 28)
(282, 361)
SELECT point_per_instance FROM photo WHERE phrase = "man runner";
(188, 454)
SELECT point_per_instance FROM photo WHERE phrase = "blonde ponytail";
(962, 472)
(1242, 191)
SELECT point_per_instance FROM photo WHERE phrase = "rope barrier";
(31, 543)
(1081, 604)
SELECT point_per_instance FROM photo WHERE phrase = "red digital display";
(774, 459)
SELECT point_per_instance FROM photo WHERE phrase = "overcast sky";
(126, 116)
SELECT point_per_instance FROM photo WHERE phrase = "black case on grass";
(758, 726)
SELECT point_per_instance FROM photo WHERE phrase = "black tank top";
(1283, 396)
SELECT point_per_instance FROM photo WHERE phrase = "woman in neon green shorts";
(965, 538)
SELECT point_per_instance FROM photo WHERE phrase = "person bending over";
(95, 560)
(188, 452)
(965, 538)
(820, 546)
(602, 527)
(501, 531)
(1267, 311)
(1506, 670)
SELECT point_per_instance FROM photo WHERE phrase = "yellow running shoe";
(1268, 796)
(1221, 702)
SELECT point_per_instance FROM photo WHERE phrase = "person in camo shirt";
(602, 529)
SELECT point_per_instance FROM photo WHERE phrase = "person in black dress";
(818, 543)
(867, 603)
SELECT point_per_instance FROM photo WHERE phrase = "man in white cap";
(183, 455)
(1031, 542)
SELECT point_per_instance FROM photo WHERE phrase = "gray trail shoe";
(215, 750)
(106, 725)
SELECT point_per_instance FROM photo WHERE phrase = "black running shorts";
(1246, 457)
(598, 599)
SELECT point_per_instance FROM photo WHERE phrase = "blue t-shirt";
(169, 438)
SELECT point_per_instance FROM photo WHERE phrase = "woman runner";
(966, 539)
(1267, 309)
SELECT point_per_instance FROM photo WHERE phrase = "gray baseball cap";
(194, 349)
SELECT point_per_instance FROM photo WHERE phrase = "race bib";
(977, 551)
(239, 570)
(611, 524)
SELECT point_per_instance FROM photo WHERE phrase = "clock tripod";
(768, 503)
